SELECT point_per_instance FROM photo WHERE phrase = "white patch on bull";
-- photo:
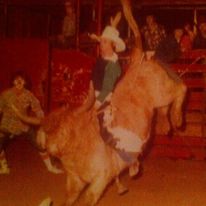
(127, 140)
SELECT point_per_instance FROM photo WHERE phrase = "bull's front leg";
(95, 190)
(73, 188)
(163, 124)
(134, 169)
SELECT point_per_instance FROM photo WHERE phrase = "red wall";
(30, 55)
(70, 77)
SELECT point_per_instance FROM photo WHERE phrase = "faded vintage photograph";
(102, 103)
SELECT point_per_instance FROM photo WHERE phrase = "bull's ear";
(115, 21)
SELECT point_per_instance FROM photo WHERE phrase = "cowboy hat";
(112, 34)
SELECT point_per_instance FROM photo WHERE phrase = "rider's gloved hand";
(97, 104)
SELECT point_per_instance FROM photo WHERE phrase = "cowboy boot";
(47, 161)
(46, 202)
(121, 189)
(4, 169)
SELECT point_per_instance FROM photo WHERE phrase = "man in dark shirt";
(169, 48)
(168, 51)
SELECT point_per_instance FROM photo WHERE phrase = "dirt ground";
(162, 182)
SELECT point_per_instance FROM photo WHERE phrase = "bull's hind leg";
(95, 190)
(134, 169)
(176, 109)
(163, 125)
(73, 188)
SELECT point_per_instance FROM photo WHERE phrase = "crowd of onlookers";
(156, 41)
(168, 47)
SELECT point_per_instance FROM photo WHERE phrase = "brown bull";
(75, 139)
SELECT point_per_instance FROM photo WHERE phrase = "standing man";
(67, 37)
(153, 33)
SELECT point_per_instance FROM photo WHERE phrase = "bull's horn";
(89, 101)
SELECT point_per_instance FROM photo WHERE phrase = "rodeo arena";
(103, 102)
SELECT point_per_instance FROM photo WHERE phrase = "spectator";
(200, 39)
(168, 51)
(67, 37)
(152, 33)
(187, 39)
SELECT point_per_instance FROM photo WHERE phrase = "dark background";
(35, 18)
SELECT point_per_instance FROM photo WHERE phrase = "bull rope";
(194, 62)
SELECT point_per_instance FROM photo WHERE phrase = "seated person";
(168, 51)
(16, 102)
(200, 39)
(187, 39)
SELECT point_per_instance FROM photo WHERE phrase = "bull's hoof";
(4, 168)
(134, 170)
(55, 170)
(164, 128)
(122, 190)
(177, 122)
